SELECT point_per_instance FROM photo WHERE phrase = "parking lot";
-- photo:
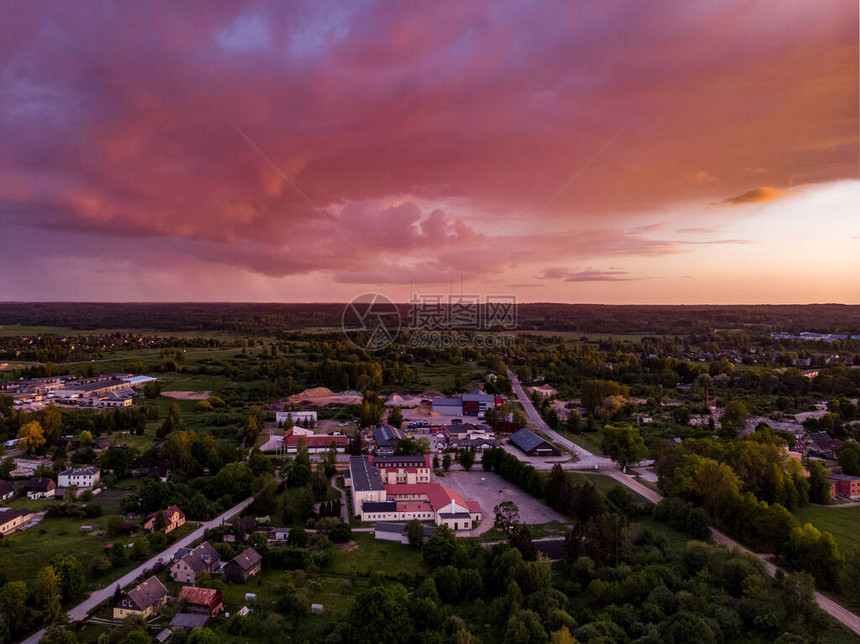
(490, 489)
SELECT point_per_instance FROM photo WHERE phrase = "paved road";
(587, 460)
(838, 612)
(83, 609)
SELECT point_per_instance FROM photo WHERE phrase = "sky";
(599, 151)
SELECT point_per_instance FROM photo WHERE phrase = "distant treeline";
(271, 319)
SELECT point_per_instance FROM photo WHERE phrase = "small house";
(7, 491)
(40, 488)
(246, 564)
(144, 599)
(174, 516)
(204, 558)
(12, 520)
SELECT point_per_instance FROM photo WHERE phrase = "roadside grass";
(587, 440)
(539, 531)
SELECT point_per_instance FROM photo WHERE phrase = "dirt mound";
(186, 395)
(315, 392)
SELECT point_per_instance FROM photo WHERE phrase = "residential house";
(201, 601)
(102, 443)
(175, 518)
(40, 488)
(80, 476)
(144, 600)
(7, 491)
(12, 520)
(532, 444)
(822, 444)
(204, 558)
(244, 565)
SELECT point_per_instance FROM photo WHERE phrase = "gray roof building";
(364, 476)
(532, 444)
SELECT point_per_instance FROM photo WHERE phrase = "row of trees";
(733, 505)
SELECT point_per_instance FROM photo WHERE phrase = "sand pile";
(315, 392)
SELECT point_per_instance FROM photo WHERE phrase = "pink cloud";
(416, 131)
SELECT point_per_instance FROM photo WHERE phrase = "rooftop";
(364, 476)
(195, 595)
(447, 402)
(526, 440)
(81, 471)
(247, 559)
(148, 593)
(386, 435)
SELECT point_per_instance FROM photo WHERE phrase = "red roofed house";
(201, 601)
(175, 518)
(316, 443)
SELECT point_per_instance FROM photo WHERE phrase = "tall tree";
(624, 445)
(395, 416)
(507, 516)
(466, 459)
(849, 458)
(381, 614)
(32, 436)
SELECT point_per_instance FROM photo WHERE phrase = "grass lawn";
(841, 522)
(587, 440)
(23, 554)
(602, 482)
(383, 557)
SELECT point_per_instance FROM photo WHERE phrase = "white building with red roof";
(425, 502)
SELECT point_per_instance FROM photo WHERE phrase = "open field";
(842, 522)
(23, 554)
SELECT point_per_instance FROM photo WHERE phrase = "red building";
(316, 443)
(843, 485)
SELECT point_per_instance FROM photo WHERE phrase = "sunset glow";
(313, 151)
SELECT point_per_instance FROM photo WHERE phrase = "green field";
(843, 523)
(23, 554)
